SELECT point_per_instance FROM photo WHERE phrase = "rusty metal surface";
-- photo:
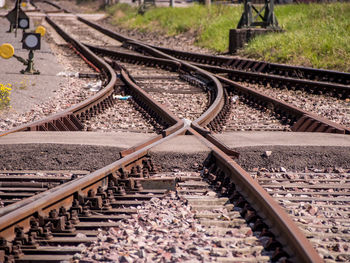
(67, 120)
(217, 104)
(285, 230)
(304, 121)
(70, 118)
(315, 86)
(63, 195)
(262, 67)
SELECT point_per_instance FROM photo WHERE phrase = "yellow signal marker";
(6, 51)
(23, 4)
(41, 30)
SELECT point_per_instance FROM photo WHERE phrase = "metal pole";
(17, 15)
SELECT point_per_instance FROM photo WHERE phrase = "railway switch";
(31, 42)
(6, 51)
(17, 18)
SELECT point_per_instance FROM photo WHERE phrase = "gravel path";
(293, 158)
(56, 157)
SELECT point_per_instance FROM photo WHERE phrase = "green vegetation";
(211, 26)
(5, 91)
(316, 35)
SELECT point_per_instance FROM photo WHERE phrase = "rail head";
(285, 230)
(217, 104)
(63, 195)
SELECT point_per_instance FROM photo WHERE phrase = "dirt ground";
(56, 157)
(294, 158)
(91, 158)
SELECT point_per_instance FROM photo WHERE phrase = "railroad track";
(18, 185)
(300, 118)
(47, 7)
(287, 72)
(71, 214)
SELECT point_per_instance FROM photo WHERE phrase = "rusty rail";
(286, 232)
(69, 119)
(337, 90)
(215, 87)
(284, 229)
(300, 120)
(19, 214)
(57, 6)
(262, 67)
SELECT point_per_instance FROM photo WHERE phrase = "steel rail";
(63, 195)
(217, 104)
(304, 121)
(285, 230)
(205, 118)
(236, 63)
(106, 31)
(177, 124)
(132, 58)
(69, 119)
(48, 3)
(210, 114)
(339, 90)
(57, 6)
(213, 111)
(320, 75)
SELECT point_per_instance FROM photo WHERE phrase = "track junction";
(55, 216)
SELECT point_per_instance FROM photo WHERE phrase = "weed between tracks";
(316, 35)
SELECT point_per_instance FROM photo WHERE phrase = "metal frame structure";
(253, 16)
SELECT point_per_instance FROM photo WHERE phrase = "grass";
(316, 35)
(198, 19)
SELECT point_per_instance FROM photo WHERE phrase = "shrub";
(5, 91)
